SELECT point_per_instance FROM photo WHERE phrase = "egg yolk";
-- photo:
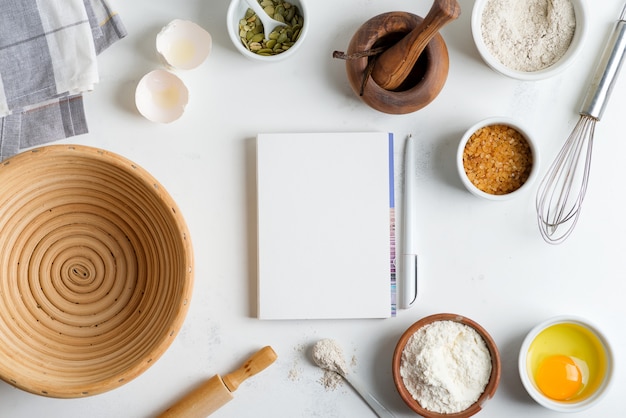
(558, 377)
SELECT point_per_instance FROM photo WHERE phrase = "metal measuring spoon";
(329, 356)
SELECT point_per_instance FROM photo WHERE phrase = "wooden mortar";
(423, 83)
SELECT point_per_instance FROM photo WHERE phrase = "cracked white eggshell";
(183, 44)
(161, 96)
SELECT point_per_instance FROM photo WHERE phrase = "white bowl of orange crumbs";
(497, 159)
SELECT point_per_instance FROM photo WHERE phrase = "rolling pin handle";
(257, 362)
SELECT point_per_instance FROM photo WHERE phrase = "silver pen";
(408, 291)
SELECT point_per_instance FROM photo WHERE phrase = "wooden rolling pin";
(394, 65)
(215, 392)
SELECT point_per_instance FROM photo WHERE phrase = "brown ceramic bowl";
(96, 271)
(490, 389)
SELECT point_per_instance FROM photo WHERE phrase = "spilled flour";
(295, 371)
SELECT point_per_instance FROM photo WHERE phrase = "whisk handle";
(606, 72)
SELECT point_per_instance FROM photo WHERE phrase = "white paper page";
(324, 225)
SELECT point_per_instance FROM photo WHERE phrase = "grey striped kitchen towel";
(48, 52)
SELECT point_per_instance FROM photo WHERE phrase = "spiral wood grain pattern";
(95, 271)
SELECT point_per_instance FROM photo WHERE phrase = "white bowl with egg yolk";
(566, 364)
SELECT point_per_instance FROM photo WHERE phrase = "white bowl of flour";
(446, 365)
(529, 39)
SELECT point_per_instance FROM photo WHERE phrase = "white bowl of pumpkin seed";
(246, 30)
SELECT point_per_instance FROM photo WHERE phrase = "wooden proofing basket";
(96, 271)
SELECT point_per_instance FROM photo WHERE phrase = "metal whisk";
(562, 190)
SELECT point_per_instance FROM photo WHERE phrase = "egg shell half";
(183, 44)
(161, 96)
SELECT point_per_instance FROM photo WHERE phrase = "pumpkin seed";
(257, 38)
(255, 46)
(282, 38)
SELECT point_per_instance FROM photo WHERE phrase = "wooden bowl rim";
(494, 378)
(159, 343)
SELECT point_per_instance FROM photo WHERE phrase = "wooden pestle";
(394, 65)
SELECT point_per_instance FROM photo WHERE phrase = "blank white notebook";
(326, 225)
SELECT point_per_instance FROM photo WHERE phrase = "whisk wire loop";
(563, 188)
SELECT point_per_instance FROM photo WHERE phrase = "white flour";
(445, 366)
(528, 35)
(328, 355)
